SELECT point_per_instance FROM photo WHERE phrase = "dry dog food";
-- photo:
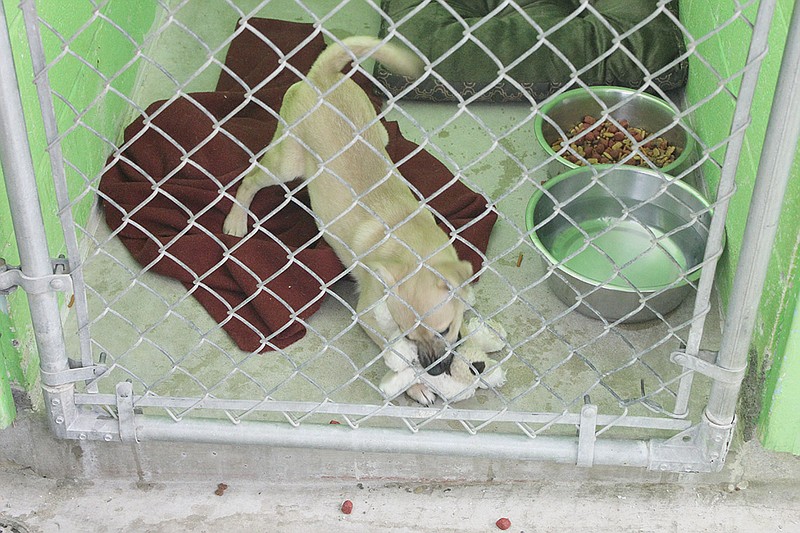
(606, 143)
(503, 523)
(347, 507)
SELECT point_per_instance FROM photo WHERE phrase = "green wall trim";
(780, 424)
(7, 410)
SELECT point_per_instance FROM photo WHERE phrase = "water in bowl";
(650, 260)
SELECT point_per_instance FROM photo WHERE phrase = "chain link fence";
(155, 131)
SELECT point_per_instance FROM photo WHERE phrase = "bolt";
(56, 402)
(59, 420)
(82, 436)
(107, 437)
(57, 284)
(663, 467)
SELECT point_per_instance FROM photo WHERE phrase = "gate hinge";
(12, 277)
(703, 364)
(701, 448)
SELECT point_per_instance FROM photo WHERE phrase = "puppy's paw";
(421, 394)
(394, 383)
(400, 355)
(236, 222)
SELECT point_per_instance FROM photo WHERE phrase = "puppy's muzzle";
(435, 357)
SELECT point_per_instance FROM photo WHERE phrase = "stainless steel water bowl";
(624, 242)
(641, 110)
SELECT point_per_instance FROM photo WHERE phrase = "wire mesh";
(150, 330)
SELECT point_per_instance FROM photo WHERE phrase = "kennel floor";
(164, 342)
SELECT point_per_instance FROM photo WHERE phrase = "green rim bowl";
(646, 232)
(640, 110)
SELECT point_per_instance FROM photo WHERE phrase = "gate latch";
(12, 277)
(703, 364)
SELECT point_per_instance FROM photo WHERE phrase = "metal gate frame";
(701, 448)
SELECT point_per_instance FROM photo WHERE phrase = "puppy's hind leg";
(283, 162)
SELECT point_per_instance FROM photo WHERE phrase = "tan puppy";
(331, 136)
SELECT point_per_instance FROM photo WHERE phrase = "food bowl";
(640, 110)
(646, 234)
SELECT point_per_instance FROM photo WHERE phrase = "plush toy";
(471, 368)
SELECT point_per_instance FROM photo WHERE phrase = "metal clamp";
(707, 368)
(73, 375)
(12, 277)
(125, 412)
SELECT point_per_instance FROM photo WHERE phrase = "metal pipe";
(383, 440)
(727, 185)
(26, 214)
(394, 411)
(42, 82)
(774, 169)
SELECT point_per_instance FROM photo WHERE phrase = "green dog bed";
(539, 46)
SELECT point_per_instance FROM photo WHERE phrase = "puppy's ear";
(388, 272)
(456, 272)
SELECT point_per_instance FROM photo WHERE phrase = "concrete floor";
(757, 492)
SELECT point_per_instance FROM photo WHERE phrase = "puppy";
(412, 286)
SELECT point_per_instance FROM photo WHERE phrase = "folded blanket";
(161, 194)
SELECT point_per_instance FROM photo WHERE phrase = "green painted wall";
(725, 55)
(93, 50)
(780, 424)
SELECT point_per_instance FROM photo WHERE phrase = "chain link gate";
(154, 365)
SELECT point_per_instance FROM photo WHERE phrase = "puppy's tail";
(328, 66)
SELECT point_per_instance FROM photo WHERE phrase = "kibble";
(605, 143)
(503, 523)
(347, 507)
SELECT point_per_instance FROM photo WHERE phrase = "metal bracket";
(73, 375)
(586, 434)
(702, 363)
(701, 448)
(12, 277)
(125, 414)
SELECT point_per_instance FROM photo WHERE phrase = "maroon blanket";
(162, 195)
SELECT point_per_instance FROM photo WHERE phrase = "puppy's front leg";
(284, 162)
(398, 354)
(394, 383)
(236, 222)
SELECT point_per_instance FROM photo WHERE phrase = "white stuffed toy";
(471, 368)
